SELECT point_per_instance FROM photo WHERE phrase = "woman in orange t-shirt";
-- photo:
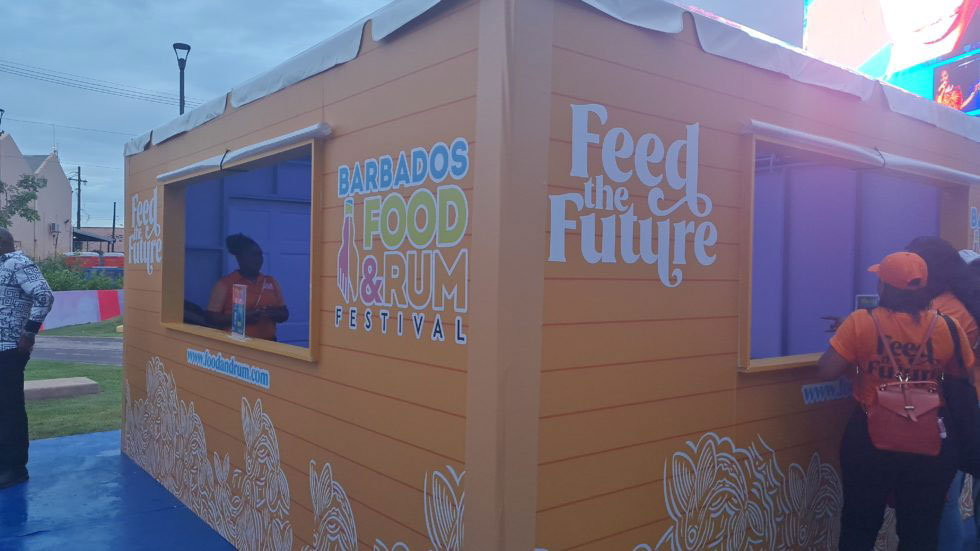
(264, 305)
(955, 289)
(870, 475)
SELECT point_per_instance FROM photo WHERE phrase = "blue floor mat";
(84, 494)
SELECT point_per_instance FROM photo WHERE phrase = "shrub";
(62, 277)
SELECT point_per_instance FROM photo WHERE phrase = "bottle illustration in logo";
(348, 258)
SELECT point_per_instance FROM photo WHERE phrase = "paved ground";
(84, 494)
(87, 350)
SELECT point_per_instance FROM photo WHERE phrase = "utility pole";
(112, 246)
(78, 215)
(78, 212)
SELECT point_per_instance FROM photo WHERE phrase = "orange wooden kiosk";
(558, 263)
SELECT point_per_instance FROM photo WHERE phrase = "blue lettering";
(371, 174)
(343, 181)
(402, 177)
(356, 182)
(460, 153)
(438, 162)
(385, 175)
(420, 165)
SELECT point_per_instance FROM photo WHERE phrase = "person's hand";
(255, 315)
(834, 323)
(976, 87)
(26, 343)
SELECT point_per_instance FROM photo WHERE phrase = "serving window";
(818, 223)
(243, 234)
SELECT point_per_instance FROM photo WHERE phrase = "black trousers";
(13, 414)
(869, 476)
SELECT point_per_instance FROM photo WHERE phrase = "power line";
(90, 165)
(97, 80)
(55, 76)
(92, 87)
(43, 123)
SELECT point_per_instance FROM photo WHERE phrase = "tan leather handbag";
(906, 416)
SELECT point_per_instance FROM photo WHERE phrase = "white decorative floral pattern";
(444, 502)
(966, 497)
(336, 530)
(165, 437)
(887, 539)
(444, 498)
(250, 508)
(380, 546)
(720, 496)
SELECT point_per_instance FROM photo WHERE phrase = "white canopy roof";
(717, 37)
(318, 130)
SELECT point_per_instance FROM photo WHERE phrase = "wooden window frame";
(172, 307)
(953, 226)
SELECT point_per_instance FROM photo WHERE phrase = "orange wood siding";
(632, 370)
(383, 411)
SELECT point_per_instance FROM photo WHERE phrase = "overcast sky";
(129, 42)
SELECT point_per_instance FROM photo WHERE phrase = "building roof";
(35, 161)
(81, 235)
(104, 232)
(716, 36)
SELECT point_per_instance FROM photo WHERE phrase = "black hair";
(239, 243)
(899, 300)
(948, 272)
(975, 267)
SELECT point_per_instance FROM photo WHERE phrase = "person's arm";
(216, 307)
(841, 353)
(32, 282)
(972, 95)
(831, 365)
(277, 312)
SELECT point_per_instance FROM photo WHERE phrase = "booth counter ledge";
(542, 262)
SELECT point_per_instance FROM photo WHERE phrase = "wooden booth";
(561, 264)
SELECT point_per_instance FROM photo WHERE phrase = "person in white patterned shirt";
(25, 300)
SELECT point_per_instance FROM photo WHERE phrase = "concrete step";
(68, 387)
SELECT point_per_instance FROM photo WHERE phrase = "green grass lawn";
(101, 329)
(64, 416)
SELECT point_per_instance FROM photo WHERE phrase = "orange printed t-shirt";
(856, 341)
(263, 292)
(948, 304)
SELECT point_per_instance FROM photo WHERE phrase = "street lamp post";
(181, 63)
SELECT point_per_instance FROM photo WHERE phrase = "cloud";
(129, 42)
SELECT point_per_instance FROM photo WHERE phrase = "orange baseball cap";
(906, 271)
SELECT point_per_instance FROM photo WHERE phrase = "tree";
(18, 199)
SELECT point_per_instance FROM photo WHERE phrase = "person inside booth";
(264, 304)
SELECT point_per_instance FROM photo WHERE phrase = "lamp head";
(181, 48)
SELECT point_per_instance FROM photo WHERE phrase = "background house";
(52, 233)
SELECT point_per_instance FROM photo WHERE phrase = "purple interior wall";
(816, 230)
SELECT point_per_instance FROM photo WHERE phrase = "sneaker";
(13, 477)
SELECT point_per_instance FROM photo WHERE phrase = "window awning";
(871, 156)
(319, 130)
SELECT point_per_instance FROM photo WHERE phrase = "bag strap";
(919, 352)
(956, 339)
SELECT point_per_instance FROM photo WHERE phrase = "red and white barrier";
(75, 307)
